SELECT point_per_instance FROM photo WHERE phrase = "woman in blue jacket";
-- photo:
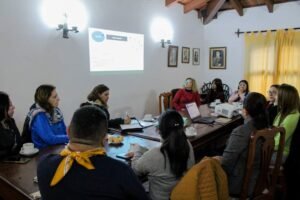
(46, 122)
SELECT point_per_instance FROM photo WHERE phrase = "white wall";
(221, 32)
(32, 54)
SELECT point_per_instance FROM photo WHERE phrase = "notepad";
(131, 127)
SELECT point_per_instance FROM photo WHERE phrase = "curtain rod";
(262, 31)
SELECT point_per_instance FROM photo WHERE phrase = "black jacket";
(10, 139)
(112, 123)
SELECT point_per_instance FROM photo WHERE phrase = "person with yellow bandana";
(82, 170)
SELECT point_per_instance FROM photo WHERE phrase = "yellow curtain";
(288, 57)
(272, 58)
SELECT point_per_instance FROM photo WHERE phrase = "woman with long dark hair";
(46, 124)
(241, 93)
(99, 97)
(165, 165)
(216, 91)
(234, 157)
(10, 141)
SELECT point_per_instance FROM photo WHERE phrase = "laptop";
(195, 115)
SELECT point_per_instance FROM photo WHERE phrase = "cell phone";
(123, 156)
(16, 159)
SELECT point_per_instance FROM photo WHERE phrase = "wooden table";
(16, 180)
(205, 133)
(210, 136)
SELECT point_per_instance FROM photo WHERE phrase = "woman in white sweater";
(165, 165)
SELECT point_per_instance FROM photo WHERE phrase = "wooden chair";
(226, 90)
(165, 101)
(265, 186)
(205, 88)
(174, 91)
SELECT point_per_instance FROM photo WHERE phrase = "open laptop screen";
(192, 110)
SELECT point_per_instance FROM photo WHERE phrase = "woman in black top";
(10, 140)
(216, 91)
(99, 96)
(272, 103)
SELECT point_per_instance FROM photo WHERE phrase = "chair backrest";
(205, 88)
(226, 90)
(165, 101)
(266, 137)
(174, 91)
(26, 133)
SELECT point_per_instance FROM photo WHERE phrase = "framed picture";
(196, 56)
(185, 55)
(172, 56)
(217, 58)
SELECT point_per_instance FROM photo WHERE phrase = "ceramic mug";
(27, 148)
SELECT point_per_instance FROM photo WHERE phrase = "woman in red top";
(186, 95)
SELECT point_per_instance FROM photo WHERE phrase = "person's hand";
(127, 120)
(130, 154)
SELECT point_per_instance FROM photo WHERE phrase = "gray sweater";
(235, 158)
(161, 179)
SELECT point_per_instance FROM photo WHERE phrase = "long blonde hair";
(194, 84)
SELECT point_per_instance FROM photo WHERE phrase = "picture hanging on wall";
(196, 56)
(185, 55)
(172, 56)
(217, 58)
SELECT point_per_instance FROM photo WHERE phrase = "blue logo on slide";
(98, 36)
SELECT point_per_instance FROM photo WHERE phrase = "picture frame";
(172, 56)
(217, 58)
(185, 55)
(196, 56)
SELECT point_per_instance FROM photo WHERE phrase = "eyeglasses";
(272, 92)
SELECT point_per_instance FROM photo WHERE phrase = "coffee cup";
(27, 148)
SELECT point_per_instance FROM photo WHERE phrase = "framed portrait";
(172, 56)
(217, 58)
(196, 56)
(185, 55)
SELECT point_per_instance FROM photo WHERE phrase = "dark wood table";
(212, 136)
(16, 180)
(206, 134)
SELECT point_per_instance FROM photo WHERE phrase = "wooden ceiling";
(208, 9)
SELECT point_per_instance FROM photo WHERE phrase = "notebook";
(195, 115)
(131, 127)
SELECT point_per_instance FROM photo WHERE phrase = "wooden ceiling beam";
(252, 2)
(270, 5)
(195, 4)
(212, 9)
(169, 2)
(236, 4)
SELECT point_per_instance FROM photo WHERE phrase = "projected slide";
(115, 51)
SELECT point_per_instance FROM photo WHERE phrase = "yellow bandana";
(82, 158)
